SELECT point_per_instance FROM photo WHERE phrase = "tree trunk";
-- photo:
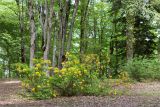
(32, 31)
(60, 34)
(72, 25)
(65, 15)
(130, 36)
(21, 29)
(84, 10)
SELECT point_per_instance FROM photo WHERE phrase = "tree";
(32, 31)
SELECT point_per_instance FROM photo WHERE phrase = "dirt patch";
(152, 88)
(9, 97)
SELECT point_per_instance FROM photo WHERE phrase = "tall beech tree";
(32, 31)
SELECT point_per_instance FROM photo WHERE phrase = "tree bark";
(60, 35)
(130, 36)
(72, 25)
(32, 31)
(21, 29)
(84, 9)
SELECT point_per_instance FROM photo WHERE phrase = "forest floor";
(139, 95)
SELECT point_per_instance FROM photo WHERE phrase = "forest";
(73, 48)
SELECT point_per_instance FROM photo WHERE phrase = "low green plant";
(143, 69)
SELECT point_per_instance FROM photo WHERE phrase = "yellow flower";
(38, 74)
(26, 85)
(54, 94)
(67, 54)
(33, 89)
(38, 65)
(63, 70)
(50, 68)
(24, 70)
(115, 92)
(85, 71)
(62, 73)
(34, 60)
(47, 61)
(76, 62)
(110, 76)
(36, 68)
(23, 84)
(56, 70)
(80, 82)
(38, 86)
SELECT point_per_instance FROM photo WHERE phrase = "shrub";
(73, 79)
(143, 69)
(95, 63)
(35, 80)
(76, 78)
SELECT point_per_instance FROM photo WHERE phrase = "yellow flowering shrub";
(95, 63)
(70, 80)
(35, 80)
(74, 78)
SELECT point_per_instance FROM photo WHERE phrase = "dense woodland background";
(115, 32)
(82, 48)
(79, 47)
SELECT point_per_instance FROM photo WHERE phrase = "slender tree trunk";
(60, 35)
(42, 20)
(65, 15)
(32, 31)
(95, 32)
(54, 50)
(21, 29)
(72, 25)
(84, 9)
(56, 40)
(130, 36)
(48, 28)
(63, 22)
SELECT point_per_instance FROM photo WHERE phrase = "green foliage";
(1, 72)
(35, 80)
(143, 69)
(73, 79)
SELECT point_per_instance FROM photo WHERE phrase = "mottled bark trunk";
(48, 29)
(54, 51)
(55, 38)
(60, 37)
(41, 20)
(84, 10)
(72, 25)
(65, 18)
(32, 31)
(21, 29)
(63, 22)
(130, 36)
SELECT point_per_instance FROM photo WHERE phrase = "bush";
(143, 69)
(73, 79)
(35, 80)
(94, 63)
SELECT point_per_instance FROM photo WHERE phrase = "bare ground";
(139, 95)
